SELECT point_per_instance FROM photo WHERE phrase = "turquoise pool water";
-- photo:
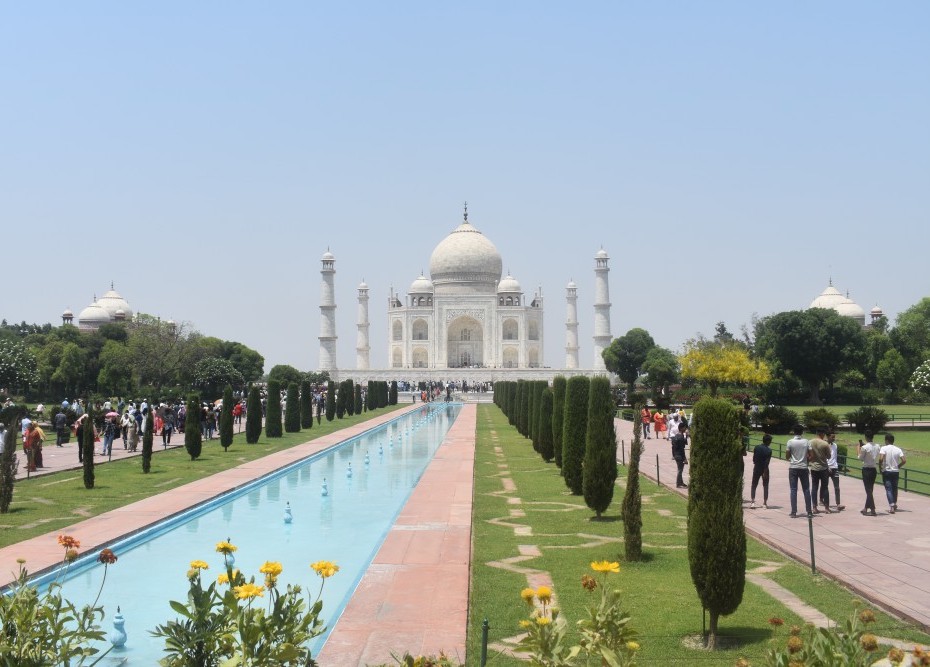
(346, 526)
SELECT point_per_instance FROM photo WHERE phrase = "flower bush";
(234, 627)
(920, 379)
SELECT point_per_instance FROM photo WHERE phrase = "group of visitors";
(664, 425)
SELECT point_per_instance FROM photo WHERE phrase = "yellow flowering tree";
(716, 363)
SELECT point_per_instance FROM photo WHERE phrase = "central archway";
(464, 343)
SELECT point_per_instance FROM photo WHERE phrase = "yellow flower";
(325, 568)
(249, 591)
(525, 624)
(199, 565)
(605, 566)
(223, 579)
(528, 595)
(544, 594)
(867, 616)
(543, 620)
(225, 547)
(869, 642)
(632, 646)
(794, 644)
(271, 568)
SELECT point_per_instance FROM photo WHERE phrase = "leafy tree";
(574, 432)
(661, 370)
(716, 536)
(892, 371)
(284, 374)
(632, 507)
(88, 444)
(544, 428)
(226, 418)
(193, 439)
(626, 354)
(292, 409)
(815, 344)
(330, 400)
(273, 410)
(17, 365)
(558, 415)
(920, 378)
(715, 364)
(147, 441)
(315, 378)
(599, 471)
(162, 353)
(358, 399)
(253, 416)
(911, 333)
(211, 373)
(246, 360)
(306, 404)
(877, 344)
(115, 374)
(8, 461)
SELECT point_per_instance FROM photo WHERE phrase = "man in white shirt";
(797, 451)
(890, 460)
(868, 454)
(833, 464)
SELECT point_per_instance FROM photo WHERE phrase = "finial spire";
(111, 285)
(466, 211)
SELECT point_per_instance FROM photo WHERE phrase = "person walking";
(679, 440)
(32, 443)
(820, 472)
(60, 422)
(110, 430)
(659, 420)
(646, 418)
(868, 453)
(761, 457)
(797, 452)
(833, 467)
(890, 460)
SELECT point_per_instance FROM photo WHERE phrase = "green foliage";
(892, 371)
(226, 418)
(518, 402)
(359, 406)
(273, 427)
(212, 373)
(341, 398)
(846, 643)
(147, 440)
(8, 462)
(330, 400)
(820, 418)
(292, 409)
(716, 536)
(536, 391)
(88, 454)
(284, 374)
(867, 418)
(920, 378)
(17, 365)
(193, 439)
(911, 333)
(574, 432)
(558, 415)
(350, 397)
(599, 471)
(544, 428)
(632, 508)
(306, 404)
(524, 410)
(626, 355)
(253, 416)
(392, 397)
(776, 419)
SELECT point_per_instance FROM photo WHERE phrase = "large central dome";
(465, 261)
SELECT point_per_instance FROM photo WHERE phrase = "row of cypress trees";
(572, 423)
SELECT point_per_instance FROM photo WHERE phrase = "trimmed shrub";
(536, 392)
(358, 399)
(820, 418)
(148, 439)
(776, 419)
(88, 446)
(392, 396)
(330, 400)
(292, 409)
(306, 404)
(273, 427)
(341, 400)
(226, 418)
(544, 429)
(599, 471)
(558, 414)
(867, 418)
(525, 409)
(253, 416)
(716, 535)
(193, 439)
(574, 432)
(8, 464)
(632, 508)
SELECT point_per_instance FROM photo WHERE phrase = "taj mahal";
(465, 321)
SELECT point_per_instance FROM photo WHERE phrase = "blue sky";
(730, 156)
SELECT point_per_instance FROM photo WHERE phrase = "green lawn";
(658, 592)
(49, 502)
(899, 410)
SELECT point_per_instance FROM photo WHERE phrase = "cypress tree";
(517, 399)
(524, 418)
(558, 414)
(544, 429)
(273, 427)
(292, 409)
(341, 400)
(539, 387)
(350, 397)
(368, 397)
(253, 416)
(632, 500)
(716, 536)
(513, 403)
(148, 439)
(599, 471)
(226, 419)
(358, 399)
(330, 400)
(306, 404)
(574, 431)
(88, 446)
(193, 439)
(8, 464)
(392, 396)
(531, 412)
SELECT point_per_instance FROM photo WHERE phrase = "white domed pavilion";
(832, 299)
(111, 307)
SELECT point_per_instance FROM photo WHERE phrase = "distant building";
(111, 307)
(832, 299)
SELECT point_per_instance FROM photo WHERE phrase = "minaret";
(362, 348)
(328, 314)
(571, 326)
(602, 336)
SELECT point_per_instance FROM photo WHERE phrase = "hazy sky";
(730, 156)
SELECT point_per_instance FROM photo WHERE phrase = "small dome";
(120, 314)
(112, 302)
(830, 298)
(571, 285)
(850, 308)
(328, 256)
(601, 254)
(509, 284)
(93, 316)
(876, 311)
(420, 285)
(68, 313)
(363, 285)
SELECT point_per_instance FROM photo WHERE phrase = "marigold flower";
(528, 595)
(794, 644)
(776, 621)
(605, 566)
(895, 656)
(588, 582)
(543, 620)
(325, 568)
(68, 542)
(867, 616)
(225, 547)
(869, 642)
(199, 565)
(249, 591)
(271, 568)
(632, 646)
(223, 579)
(107, 557)
(71, 555)
(525, 624)
(544, 594)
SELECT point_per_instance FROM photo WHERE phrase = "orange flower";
(588, 582)
(776, 621)
(68, 542)
(107, 557)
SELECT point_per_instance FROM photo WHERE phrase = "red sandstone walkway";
(885, 559)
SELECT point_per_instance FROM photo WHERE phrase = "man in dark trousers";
(679, 440)
(761, 457)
